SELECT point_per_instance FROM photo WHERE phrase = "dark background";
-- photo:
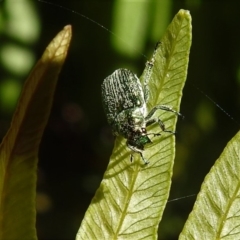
(77, 141)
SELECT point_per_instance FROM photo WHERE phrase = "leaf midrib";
(224, 217)
(166, 68)
(128, 198)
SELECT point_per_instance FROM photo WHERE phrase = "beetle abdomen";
(121, 90)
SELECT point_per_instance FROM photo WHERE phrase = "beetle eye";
(144, 130)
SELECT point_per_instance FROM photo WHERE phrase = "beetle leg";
(134, 149)
(148, 72)
(161, 124)
(162, 107)
(154, 134)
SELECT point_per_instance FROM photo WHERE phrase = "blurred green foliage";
(77, 142)
(19, 31)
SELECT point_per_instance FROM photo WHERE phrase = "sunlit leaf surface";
(216, 212)
(132, 196)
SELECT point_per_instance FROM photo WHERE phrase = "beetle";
(124, 101)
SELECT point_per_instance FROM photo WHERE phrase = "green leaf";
(216, 211)
(132, 196)
(19, 149)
